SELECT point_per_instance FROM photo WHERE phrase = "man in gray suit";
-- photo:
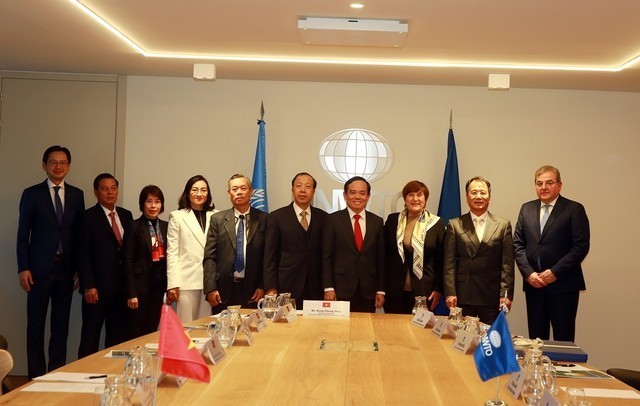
(233, 254)
(478, 257)
(353, 251)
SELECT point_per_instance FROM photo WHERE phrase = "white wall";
(176, 128)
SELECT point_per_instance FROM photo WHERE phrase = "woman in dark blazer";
(414, 241)
(144, 248)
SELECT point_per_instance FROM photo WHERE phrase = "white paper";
(611, 393)
(62, 387)
(327, 309)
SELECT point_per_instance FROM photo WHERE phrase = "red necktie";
(114, 226)
(357, 231)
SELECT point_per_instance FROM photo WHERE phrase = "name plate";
(244, 327)
(464, 340)
(423, 318)
(327, 309)
(214, 350)
(515, 383)
(286, 312)
(547, 399)
(255, 320)
(443, 327)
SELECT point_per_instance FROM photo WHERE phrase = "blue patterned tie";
(545, 217)
(238, 265)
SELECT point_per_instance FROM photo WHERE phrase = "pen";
(96, 376)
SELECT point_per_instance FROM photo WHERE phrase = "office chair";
(6, 365)
(628, 376)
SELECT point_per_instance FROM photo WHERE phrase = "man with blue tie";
(49, 234)
(551, 240)
(233, 254)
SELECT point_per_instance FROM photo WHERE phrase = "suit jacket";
(293, 256)
(478, 272)
(220, 253)
(39, 232)
(102, 259)
(137, 253)
(561, 247)
(396, 271)
(343, 266)
(185, 251)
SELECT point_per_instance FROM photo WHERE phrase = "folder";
(564, 351)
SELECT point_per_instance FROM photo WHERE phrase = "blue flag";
(495, 356)
(449, 205)
(259, 179)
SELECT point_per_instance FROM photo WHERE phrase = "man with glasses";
(49, 232)
(551, 239)
(478, 257)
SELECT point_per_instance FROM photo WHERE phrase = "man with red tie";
(353, 251)
(102, 282)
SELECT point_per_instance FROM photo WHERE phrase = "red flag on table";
(179, 356)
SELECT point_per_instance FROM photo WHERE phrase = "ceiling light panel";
(352, 32)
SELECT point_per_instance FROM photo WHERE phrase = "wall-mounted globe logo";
(355, 152)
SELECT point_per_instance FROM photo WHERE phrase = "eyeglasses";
(56, 163)
(547, 183)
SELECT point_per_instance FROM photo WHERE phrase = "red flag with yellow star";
(179, 356)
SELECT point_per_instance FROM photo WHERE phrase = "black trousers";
(558, 310)
(57, 287)
(486, 314)
(108, 311)
(237, 296)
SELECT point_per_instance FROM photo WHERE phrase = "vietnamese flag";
(179, 356)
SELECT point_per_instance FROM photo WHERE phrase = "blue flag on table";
(449, 205)
(259, 179)
(495, 356)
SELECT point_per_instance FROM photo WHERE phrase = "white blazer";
(185, 249)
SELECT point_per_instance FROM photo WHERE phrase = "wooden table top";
(285, 365)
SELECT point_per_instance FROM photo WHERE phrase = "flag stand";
(496, 401)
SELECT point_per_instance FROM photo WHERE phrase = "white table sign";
(515, 382)
(443, 327)
(423, 318)
(327, 309)
(244, 327)
(464, 340)
(548, 399)
(214, 349)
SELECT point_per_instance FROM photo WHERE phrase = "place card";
(244, 327)
(423, 318)
(214, 350)
(464, 340)
(443, 327)
(327, 309)
(515, 383)
(548, 399)
(255, 321)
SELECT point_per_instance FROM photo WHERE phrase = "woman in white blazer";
(186, 238)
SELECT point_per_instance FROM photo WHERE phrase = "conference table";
(368, 359)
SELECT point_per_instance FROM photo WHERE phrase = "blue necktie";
(545, 217)
(59, 212)
(238, 265)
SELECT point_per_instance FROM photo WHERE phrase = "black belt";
(238, 280)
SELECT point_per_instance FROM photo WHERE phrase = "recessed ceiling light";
(357, 5)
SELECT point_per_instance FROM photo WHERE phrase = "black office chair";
(628, 376)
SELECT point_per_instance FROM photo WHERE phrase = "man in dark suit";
(293, 245)
(353, 251)
(49, 234)
(234, 252)
(102, 282)
(551, 240)
(478, 257)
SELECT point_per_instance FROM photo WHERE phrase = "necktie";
(58, 202)
(114, 227)
(479, 225)
(357, 231)
(303, 221)
(238, 265)
(545, 217)
(59, 213)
